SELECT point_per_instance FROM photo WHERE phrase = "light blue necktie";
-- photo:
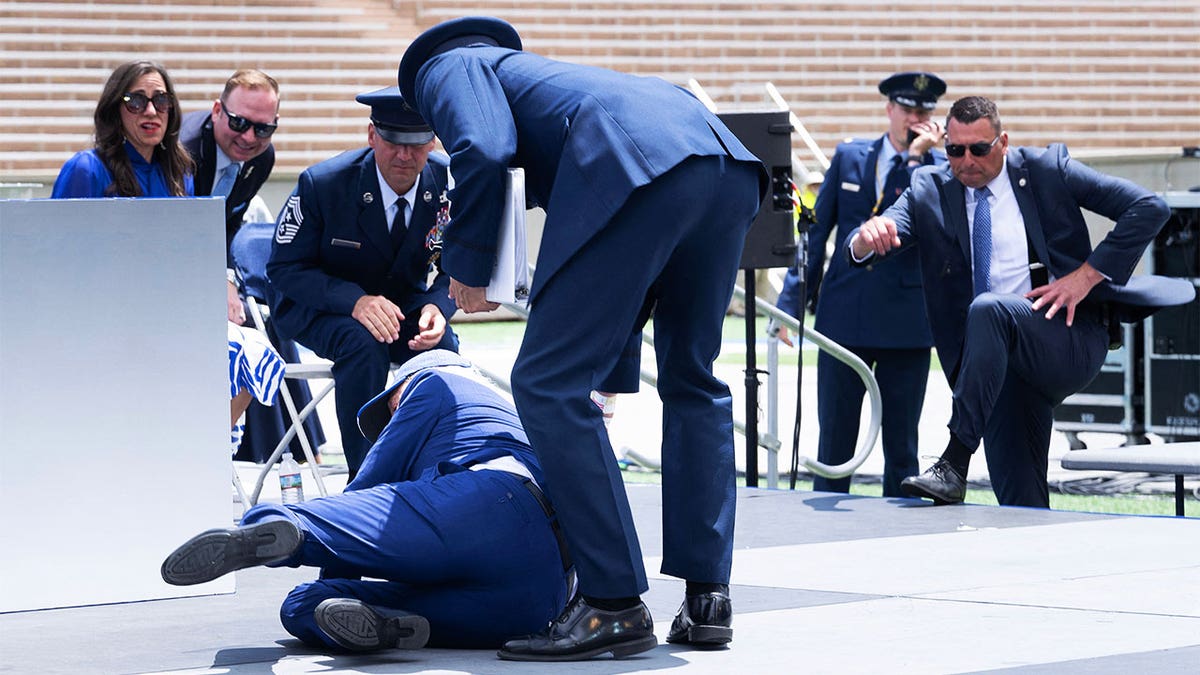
(981, 241)
(225, 184)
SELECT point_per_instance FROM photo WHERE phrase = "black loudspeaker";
(1177, 329)
(1176, 252)
(771, 241)
(1173, 373)
(1174, 397)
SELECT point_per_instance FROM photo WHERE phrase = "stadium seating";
(1101, 76)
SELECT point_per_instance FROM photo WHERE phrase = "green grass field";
(508, 333)
(1130, 505)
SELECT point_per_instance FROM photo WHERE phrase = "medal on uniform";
(433, 240)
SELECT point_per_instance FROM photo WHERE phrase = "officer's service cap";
(914, 89)
(394, 119)
(461, 32)
(374, 416)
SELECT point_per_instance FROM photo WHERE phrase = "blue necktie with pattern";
(981, 241)
(225, 183)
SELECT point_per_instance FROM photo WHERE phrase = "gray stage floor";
(822, 584)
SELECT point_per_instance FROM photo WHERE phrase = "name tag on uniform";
(345, 243)
(851, 187)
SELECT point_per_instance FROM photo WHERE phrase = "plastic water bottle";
(291, 487)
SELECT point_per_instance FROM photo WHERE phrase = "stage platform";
(822, 583)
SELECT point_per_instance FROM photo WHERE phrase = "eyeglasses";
(977, 149)
(239, 124)
(135, 102)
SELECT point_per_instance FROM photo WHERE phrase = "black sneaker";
(215, 553)
(360, 627)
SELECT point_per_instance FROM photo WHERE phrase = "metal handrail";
(770, 442)
(867, 442)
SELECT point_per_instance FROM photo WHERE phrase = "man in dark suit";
(234, 140)
(890, 333)
(232, 148)
(1020, 303)
(446, 520)
(352, 256)
(648, 197)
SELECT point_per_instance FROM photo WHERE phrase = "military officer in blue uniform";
(354, 247)
(1020, 303)
(446, 519)
(876, 312)
(648, 197)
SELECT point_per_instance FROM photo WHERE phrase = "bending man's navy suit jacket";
(586, 137)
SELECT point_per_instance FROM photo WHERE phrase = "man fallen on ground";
(446, 518)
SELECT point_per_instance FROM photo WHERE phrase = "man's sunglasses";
(239, 124)
(977, 149)
(135, 102)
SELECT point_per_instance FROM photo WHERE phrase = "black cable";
(805, 219)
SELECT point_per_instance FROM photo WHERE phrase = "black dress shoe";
(583, 632)
(940, 482)
(215, 553)
(703, 620)
(360, 627)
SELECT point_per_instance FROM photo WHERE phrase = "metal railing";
(770, 440)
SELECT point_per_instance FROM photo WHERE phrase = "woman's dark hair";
(110, 134)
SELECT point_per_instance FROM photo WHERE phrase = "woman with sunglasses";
(137, 151)
(138, 154)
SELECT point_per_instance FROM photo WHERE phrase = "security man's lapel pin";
(368, 197)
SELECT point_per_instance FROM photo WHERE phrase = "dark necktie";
(981, 241)
(398, 227)
(882, 182)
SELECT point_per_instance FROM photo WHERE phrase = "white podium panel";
(114, 396)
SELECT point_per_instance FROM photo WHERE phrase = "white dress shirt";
(1010, 251)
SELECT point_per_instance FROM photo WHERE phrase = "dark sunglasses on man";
(239, 124)
(135, 102)
(977, 149)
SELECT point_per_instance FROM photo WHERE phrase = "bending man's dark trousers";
(677, 241)
(1016, 366)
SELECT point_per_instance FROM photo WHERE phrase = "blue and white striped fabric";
(254, 365)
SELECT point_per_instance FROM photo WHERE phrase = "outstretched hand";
(431, 328)
(877, 235)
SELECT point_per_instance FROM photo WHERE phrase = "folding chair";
(293, 371)
(251, 247)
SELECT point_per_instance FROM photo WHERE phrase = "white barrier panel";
(114, 396)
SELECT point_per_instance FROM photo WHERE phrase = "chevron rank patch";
(289, 221)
